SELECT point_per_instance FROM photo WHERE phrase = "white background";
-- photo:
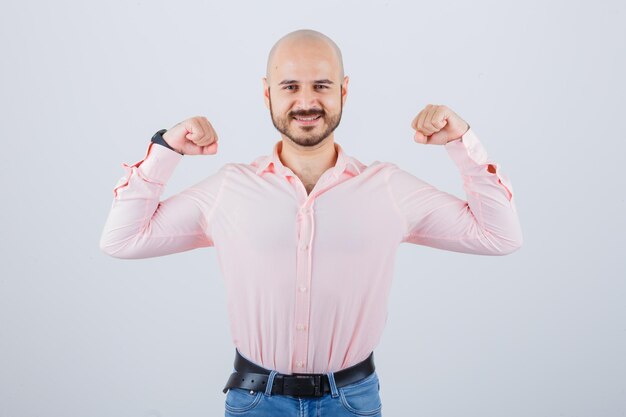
(84, 85)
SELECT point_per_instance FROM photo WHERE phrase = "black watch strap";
(158, 138)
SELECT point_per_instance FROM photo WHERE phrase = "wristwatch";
(158, 138)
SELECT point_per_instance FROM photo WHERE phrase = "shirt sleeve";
(140, 225)
(486, 224)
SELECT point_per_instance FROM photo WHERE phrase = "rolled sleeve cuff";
(468, 151)
(159, 163)
(471, 157)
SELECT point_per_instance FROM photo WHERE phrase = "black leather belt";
(253, 377)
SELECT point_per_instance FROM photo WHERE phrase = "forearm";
(485, 223)
(490, 196)
(136, 198)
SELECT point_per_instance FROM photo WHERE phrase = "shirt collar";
(344, 162)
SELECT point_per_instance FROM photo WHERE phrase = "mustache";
(308, 114)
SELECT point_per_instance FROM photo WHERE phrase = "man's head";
(305, 78)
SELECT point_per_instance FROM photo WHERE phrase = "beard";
(307, 135)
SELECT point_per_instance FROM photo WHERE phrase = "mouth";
(310, 120)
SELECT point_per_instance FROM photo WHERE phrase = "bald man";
(306, 236)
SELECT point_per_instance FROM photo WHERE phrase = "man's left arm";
(486, 223)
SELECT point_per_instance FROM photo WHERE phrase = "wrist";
(158, 138)
(460, 137)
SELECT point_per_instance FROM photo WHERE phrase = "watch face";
(158, 138)
(159, 133)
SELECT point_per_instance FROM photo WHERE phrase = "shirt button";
(299, 364)
(302, 289)
(305, 247)
(301, 326)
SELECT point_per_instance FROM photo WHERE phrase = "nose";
(306, 99)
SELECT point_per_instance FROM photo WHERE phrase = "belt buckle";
(312, 386)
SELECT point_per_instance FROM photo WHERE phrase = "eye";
(288, 87)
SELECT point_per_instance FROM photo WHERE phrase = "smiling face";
(305, 88)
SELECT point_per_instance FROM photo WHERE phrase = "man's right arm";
(139, 225)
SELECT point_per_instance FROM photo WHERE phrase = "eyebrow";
(324, 81)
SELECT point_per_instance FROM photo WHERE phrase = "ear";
(266, 92)
(344, 94)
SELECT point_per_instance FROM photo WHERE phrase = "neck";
(308, 161)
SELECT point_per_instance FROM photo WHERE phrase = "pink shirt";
(307, 276)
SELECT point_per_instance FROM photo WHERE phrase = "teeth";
(307, 118)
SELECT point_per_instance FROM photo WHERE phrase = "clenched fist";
(194, 136)
(438, 125)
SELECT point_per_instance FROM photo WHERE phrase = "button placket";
(303, 300)
(306, 227)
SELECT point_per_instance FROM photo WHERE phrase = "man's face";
(305, 83)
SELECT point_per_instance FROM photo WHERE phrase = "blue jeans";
(360, 398)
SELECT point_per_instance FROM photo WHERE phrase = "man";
(306, 237)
